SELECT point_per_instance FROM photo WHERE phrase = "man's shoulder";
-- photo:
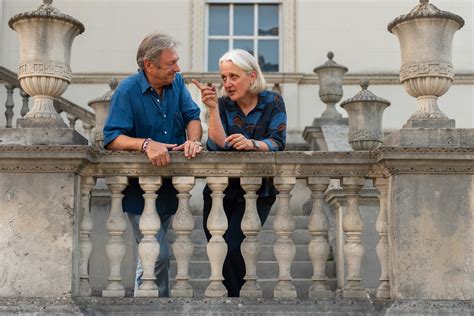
(129, 83)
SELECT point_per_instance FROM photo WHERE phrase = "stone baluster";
(381, 225)
(9, 104)
(116, 226)
(217, 247)
(72, 121)
(353, 249)
(84, 236)
(276, 88)
(183, 225)
(149, 248)
(251, 226)
(88, 131)
(318, 247)
(284, 248)
(25, 99)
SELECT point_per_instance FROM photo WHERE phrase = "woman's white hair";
(245, 61)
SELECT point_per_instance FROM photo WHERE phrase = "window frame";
(255, 37)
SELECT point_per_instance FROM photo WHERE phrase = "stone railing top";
(46, 11)
(365, 95)
(425, 10)
(330, 64)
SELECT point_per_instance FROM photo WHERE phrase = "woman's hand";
(239, 142)
(208, 94)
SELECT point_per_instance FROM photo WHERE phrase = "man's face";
(163, 72)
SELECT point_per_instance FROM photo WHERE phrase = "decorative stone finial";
(113, 83)
(424, 1)
(364, 84)
(330, 55)
(47, 2)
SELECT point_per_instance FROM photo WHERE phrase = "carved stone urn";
(365, 112)
(330, 86)
(46, 37)
(101, 108)
(425, 35)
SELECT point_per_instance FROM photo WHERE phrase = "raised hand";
(208, 94)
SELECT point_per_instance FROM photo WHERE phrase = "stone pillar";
(251, 227)
(284, 248)
(318, 247)
(84, 236)
(383, 291)
(148, 248)
(183, 225)
(9, 105)
(116, 226)
(217, 247)
(353, 249)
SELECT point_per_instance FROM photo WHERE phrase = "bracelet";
(145, 144)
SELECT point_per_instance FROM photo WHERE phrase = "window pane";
(243, 19)
(217, 48)
(219, 19)
(268, 20)
(245, 45)
(268, 55)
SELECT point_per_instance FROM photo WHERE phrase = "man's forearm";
(123, 142)
(194, 130)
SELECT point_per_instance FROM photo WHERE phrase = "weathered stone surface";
(431, 137)
(36, 234)
(41, 136)
(431, 237)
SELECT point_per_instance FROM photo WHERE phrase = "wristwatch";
(255, 144)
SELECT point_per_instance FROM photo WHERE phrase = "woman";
(246, 118)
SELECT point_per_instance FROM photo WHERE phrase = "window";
(254, 27)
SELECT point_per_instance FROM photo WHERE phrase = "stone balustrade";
(315, 169)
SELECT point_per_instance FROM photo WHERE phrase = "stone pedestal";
(431, 137)
(41, 136)
(431, 237)
(328, 135)
(37, 238)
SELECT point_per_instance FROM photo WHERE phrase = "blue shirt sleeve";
(276, 136)
(120, 118)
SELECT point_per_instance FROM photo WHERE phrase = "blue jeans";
(162, 264)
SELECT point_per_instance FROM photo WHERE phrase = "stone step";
(265, 237)
(267, 286)
(301, 222)
(265, 254)
(265, 269)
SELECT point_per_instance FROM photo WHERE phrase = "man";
(153, 112)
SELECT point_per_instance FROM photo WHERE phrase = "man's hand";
(208, 94)
(158, 153)
(191, 148)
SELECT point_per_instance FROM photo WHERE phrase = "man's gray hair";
(245, 61)
(152, 46)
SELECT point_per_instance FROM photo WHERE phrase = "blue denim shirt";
(136, 110)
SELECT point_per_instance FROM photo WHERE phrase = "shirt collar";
(259, 107)
(144, 84)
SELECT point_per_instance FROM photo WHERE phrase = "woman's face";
(236, 81)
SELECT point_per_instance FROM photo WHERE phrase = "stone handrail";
(61, 105)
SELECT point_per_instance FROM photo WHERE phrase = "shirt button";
(158, 100)
(164, 115)
(166, 132)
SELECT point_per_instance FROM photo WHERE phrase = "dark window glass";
(219, 19)
(268, 55)
(243, 19)
(245, 45)
(268, 20)
(217, 48)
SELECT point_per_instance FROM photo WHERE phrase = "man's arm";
(123, 142)
(194, 130)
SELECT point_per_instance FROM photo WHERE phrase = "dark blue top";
(266, 122)
(136, 110)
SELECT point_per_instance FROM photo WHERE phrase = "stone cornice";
(382, 162)
(300, 78)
